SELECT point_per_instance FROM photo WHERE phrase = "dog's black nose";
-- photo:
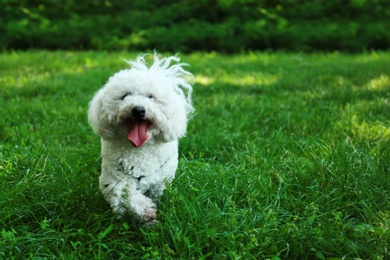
(138, 112)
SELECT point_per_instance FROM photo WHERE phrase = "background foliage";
(188, 25)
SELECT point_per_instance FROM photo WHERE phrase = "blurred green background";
(196, 25)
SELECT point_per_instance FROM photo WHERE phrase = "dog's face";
(142, 105)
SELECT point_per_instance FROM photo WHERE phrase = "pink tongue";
(137, 134)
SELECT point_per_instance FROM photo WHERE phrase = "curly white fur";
(140, 114)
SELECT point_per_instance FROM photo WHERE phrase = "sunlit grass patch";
(380, 83)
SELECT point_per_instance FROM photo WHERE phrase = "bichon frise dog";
(140, 114)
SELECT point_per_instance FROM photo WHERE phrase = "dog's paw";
(150, 215)
(150, 224)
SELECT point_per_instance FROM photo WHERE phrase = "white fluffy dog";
(140, 114)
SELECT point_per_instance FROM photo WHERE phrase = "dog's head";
(144, 104)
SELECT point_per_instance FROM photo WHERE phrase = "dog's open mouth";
(138, 132)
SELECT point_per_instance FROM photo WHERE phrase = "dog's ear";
(98, 117)
(176, 124)
(95, 111)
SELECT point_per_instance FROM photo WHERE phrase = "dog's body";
(140, 114)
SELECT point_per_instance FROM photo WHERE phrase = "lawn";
(287, 157)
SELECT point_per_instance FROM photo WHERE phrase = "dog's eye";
(151, 96)
(125, 95)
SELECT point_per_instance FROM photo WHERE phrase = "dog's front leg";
(125, 199)
(140, 205)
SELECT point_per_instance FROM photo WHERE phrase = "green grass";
(287, 157)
